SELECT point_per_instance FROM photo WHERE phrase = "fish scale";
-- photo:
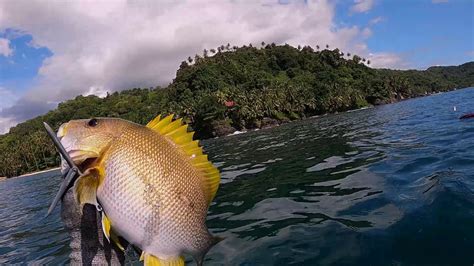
(151, 160)
(154, 184)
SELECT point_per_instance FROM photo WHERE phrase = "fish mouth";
(70, 167)
(83, 158)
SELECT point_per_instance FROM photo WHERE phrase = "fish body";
(153, 183)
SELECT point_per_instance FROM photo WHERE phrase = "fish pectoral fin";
(151, 260)
(106, 226)
(85, 187)
(109, 234)
(116, 240)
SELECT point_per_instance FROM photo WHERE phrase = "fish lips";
(83, 158)
(80, 156)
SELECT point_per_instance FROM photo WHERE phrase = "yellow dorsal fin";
(177, 132)
(172, 126)
(153, 122)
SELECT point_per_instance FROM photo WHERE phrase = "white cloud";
(362, 6)
(5, 48)
(98, 91)
(376, 20)
(366, 32)
(6, 123)
(112, 45)
(387, 60)
(7, 98)
(439, 1)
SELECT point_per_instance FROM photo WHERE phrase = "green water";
(391, 185)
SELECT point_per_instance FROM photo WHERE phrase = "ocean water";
(390, 185)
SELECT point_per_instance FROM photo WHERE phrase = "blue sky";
(423, 32)
(19, 70)
(53, 52)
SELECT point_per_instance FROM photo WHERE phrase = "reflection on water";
(387, 185)
(24, 233)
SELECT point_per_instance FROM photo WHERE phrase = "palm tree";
(317, 46)
(327, 46)
(205, 52)
(184, 64)
(196, 58)
(263, 44)
(348, 54)
(213, 50)
(190, 59)
(299, 47)
(368, 62)
(356, 59)
(228, 46)
(308, 48)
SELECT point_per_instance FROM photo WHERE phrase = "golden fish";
(154, 184)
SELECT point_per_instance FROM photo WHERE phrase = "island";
(230, 88)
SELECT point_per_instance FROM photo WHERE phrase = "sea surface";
(390, 185)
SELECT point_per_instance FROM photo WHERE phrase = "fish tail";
(151, 260)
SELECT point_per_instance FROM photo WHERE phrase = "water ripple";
(387, 185)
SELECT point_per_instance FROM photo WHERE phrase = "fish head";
(88, 139)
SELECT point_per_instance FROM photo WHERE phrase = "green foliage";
(231, 88)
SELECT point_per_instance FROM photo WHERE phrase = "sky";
(51, 51)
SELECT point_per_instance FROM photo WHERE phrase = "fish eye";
(93, 122)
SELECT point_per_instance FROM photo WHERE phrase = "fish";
(153, 183)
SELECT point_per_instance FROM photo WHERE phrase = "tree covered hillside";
(235, 88)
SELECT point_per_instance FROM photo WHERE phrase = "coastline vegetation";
(237, 88)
